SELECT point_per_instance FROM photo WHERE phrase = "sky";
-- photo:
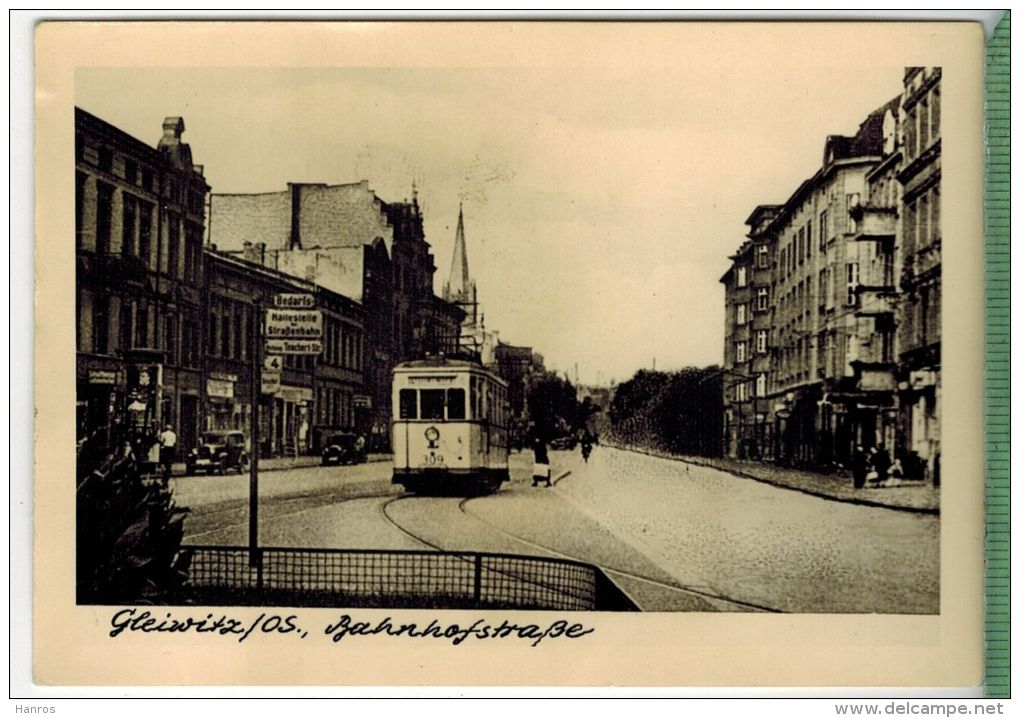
(601, 204)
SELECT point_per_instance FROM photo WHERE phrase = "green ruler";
(997, 363)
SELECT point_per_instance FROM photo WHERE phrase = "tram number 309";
(449, 426)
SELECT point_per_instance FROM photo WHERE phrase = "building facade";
(919, 313)
(139, 222)
(346, 239)
(747, 356)
(832, 304)
(316, 395)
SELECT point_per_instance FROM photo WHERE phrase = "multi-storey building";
(316, 394)
(855, 287)
(346, 239)
(920, 315)
(139, 222)
(747, 355)
(798, 400)
(738, 420)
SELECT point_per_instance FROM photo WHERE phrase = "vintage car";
(343, 448)
(218, 451)
(563, 443)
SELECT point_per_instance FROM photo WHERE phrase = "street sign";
(270, 381)
(294, 301)
(273, 363)
(293, 324)
(287, 346)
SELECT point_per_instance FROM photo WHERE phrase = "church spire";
(460, 289)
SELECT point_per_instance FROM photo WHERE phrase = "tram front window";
(432, 403)
(408, 404)
(454, 403)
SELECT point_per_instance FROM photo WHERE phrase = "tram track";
(461, 506)
(279, 510)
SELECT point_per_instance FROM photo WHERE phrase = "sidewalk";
(282, 463)
(909, 496)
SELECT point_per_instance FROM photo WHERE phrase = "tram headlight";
(432, 434)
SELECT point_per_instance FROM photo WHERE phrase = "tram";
(450, 427)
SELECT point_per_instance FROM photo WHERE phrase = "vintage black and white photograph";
(658, 339)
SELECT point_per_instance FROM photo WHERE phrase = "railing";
(400, 579)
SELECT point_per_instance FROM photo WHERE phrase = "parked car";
(343, 448)
(563, 443)
(219, 451)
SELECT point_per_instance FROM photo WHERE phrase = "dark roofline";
(87, 120)
(760, 210)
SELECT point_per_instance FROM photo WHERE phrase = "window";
(852, 201)
(100, 323)
(144, 232)
(823, 287)
(910, 134)
(432, 403)
(454, 403)
(923, 237)
(759, 389)
(79, 207)
(823, 230)
(910, 226)
(935, 112)
(225, 335)
(851, 283)
(408, 404)
(147, 180)
(127, 242)
(170, 340)
(763, 257)
(807, 242)
(125, 324)
(104, 210)
(106, 159)
(763, 299)
(741, 352)
(800, 246)
(741, 276)
(936, 211)
(131, 172)
(213, 327)
(761, 341)
(741, 314)
(922, 124)
(172, 245)
(142, 326)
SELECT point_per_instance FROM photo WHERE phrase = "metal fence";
(409, 579)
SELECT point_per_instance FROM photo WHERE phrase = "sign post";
(255, 397)
(292, 326)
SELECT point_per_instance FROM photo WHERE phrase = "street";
(674, 536)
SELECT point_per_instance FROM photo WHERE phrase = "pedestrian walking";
(167, 451)
(859, 466)
(541, 471)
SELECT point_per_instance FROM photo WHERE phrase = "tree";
(680, 412)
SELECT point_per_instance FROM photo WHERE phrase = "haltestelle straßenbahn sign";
(293, 324)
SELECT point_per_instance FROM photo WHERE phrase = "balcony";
(874, 301)
(874, 224)
(874, 376)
